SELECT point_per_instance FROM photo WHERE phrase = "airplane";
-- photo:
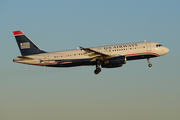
(110, 56)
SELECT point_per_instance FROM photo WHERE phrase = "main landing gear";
(150, 65)
(98, 69)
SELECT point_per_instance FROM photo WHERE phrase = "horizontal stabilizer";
(25, 58)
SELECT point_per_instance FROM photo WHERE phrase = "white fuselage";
(102, 57)
(132, 51)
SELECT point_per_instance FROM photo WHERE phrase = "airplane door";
(46, 58)
(109, 51)
(148, 46)
(106, 50)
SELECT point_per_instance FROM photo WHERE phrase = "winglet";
(81, 47)
(18, 33)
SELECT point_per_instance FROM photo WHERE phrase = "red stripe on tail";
(18, 33)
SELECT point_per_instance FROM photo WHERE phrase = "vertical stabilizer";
(26, 46)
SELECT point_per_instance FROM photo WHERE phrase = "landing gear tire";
(98, 70)
(150, 65)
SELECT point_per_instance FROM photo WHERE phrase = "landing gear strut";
(98, 69)
(150, 65)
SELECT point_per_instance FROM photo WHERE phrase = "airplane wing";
(95, 55)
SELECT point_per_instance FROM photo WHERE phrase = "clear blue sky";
(133, 92)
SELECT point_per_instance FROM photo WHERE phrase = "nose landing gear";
(150, 65)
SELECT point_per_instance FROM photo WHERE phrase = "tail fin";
(26, 46)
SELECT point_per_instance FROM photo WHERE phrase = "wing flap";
(95, 55)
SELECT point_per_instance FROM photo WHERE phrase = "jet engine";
(114, 62)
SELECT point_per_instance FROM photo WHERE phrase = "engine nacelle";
(114, 62)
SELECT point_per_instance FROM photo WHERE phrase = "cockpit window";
(159, 45)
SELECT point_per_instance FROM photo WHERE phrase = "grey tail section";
(26, 46)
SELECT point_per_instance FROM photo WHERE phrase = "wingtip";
(81, 48)
(18, 33)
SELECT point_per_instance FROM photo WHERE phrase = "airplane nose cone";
(166, 50)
